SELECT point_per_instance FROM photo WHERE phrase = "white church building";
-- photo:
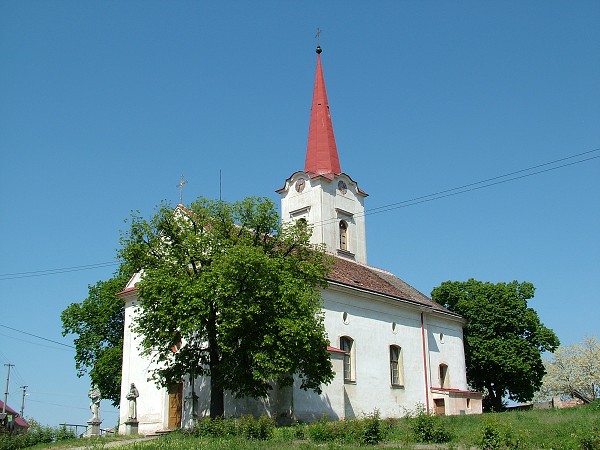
(392, 348)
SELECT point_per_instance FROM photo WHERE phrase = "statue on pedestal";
(95, 397)
(132, 396)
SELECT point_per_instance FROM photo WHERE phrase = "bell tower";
(322, 194)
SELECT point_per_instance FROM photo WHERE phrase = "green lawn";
(573, 428)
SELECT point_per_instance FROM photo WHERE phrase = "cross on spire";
(182, 182)
(318, 36)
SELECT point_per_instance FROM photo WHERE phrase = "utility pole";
(23, 399)
(9, 365)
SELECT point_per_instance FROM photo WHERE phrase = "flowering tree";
(573, 368)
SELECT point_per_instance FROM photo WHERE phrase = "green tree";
(503, 338)
(573, 367)
(98, 323)
(235, 291)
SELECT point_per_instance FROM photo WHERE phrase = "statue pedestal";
(131, 427)
(93, 429)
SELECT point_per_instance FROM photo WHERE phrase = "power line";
(58, 404)
(510, 174)
(33, 343)
(500, 179)
(105, 412)
(36, 336)
(41, 273)
(463, 189)
(488, 182)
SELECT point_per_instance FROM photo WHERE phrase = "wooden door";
(175, 406)
(440, 407)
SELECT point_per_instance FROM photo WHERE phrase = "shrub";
(299, 431)
(219, 427)
(63, 434)
(260, 429)
(320, 431)
(36, 434)
(591, 439)
(367, 431)
(372, 432)
(246, 426)
(429, 428)
(495, 436)
(491, 436)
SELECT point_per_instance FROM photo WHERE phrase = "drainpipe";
(425, 363)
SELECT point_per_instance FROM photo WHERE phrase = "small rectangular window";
(347, 345)
(396, 365)
(444, 382)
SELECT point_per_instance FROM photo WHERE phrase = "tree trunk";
(217, 394)
(493, 402)
(217, 403)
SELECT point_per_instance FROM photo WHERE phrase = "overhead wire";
(493, 181)
(34, 343)
(40, 273)
(463, 189)
(36, 336)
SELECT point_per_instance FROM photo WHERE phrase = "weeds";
(429, 428)
(36, 434)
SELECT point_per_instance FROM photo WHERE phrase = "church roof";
(321, 151)
(378, 281)
(357, 276)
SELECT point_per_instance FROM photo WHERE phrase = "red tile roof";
(20, 421)
(321, 151)
(378, 281)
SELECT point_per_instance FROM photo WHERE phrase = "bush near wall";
(36, 434)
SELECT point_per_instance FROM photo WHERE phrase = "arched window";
(444, 378)
(343, 235)
(396, 375)
(347, 345)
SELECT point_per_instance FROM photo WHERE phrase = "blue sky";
(104, 105)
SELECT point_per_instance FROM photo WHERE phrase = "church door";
(175, 406)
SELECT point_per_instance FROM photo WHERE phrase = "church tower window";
(343, 235)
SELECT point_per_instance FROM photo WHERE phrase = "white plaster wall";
(323, 206)
(152, 404)
(369, 323)
(450, 352)
(309, 406)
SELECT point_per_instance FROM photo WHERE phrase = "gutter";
(424, 363)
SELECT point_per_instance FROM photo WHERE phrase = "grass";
(573, 428)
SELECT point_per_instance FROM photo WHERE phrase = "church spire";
(321, 152)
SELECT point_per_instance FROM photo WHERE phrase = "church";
(392, 348)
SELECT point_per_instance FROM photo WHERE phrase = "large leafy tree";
(235, 292)
(573, 368)
(504, 338)
(98, 324)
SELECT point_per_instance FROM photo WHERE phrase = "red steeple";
(321, 152)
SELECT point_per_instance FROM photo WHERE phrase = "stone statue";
(95, 397)
(132, 396)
